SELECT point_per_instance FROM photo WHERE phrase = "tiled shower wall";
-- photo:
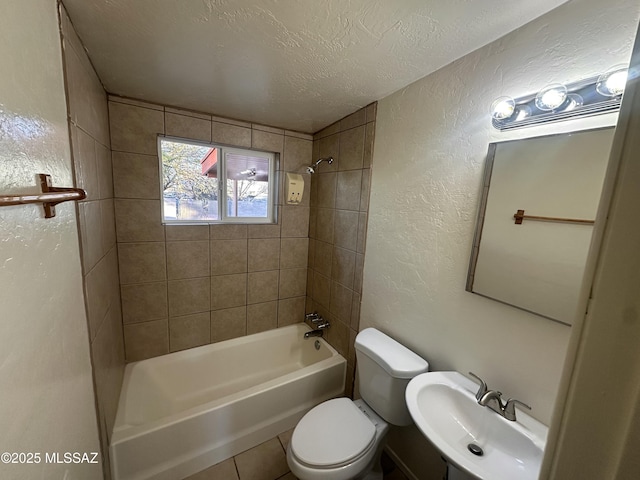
(89, 128)
(337, 232)
(183, 286)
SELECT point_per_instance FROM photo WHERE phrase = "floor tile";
(225, 470)
(285, 438)
(267, 461)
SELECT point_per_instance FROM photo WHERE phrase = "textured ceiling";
(299, 65)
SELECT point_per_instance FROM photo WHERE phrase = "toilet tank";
(384, 370)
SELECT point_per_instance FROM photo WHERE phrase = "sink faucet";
(493, 400)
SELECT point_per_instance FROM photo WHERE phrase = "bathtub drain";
(317, 344)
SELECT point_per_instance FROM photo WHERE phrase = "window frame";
(223, 217)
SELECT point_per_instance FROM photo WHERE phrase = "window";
(208, 183)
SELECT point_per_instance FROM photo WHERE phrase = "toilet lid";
(332, 434)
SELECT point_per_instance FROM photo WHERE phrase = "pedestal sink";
(474, 438)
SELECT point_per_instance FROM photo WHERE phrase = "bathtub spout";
(313, 333)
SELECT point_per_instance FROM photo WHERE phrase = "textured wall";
(189, 285)
(431, 141)
(339, 206)
(45, 369)
(91, 153)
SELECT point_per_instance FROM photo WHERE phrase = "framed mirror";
(538, 205)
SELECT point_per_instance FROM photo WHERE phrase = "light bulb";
(502, 108)
(551, 97)
(612, 82)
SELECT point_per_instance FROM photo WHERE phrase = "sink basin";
(443, 406)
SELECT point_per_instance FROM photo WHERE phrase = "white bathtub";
(181, 413)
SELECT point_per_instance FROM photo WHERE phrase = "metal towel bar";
(519, 216)
(50, 196)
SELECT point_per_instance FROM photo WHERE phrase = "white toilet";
(342, 439)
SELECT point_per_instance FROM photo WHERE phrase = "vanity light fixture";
(555, 102)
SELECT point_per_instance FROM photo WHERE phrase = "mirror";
(539, 201)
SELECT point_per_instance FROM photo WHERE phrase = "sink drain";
(475, 449)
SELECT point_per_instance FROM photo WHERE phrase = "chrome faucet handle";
(510, 408)
(483, 387)
(311, 316)
(323, 325)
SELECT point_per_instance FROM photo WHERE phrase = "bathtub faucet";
(321, 324)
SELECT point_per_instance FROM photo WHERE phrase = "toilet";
(342, 439)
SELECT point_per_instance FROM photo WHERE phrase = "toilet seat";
(333, 434)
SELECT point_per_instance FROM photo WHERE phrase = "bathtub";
(183, 412)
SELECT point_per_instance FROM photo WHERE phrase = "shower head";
(312, 168)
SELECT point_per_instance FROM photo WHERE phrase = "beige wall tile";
(348, 190)
(136, 175)
(146, 340)
(313, 222)
(228, 256)
(261, 317)
(264, 254)
(189, 331)
(329, 147)
(87, 98)
(346, 229)
(190, 127)
(293, 133)
(91, 233)
(294, 252)
(362, 232)
(108, 218)
(264, 231)
(107, 354)
(135, 102)
(365, 190)
(188, 113)
(341, 298)
(84, 159)
(142, 262)
(231, 121)
(267, 128)
(330, 130)
(372, 110)
(267, 141)
(322, 290)
(290, 311)
(357, 280)
(343, 266)
(100, 291)
(138, 221)
(297, 153)
(262, 286)
(187, 259)
(354, 120)
(186, 232)
(369, 140)
(355, 312)
(230, 134)
(295, 221)
(293, 282)
(135, 129)
(325, 225)
(324, 258)
(228, 291)
(227, 232)
(228, 323)
(352, 149)
(105, 171)
(267, 461)
(189, 296)
(327, 185)
(338, 336)
(310, 282)
(144, 302)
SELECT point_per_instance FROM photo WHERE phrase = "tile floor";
(267, 461)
